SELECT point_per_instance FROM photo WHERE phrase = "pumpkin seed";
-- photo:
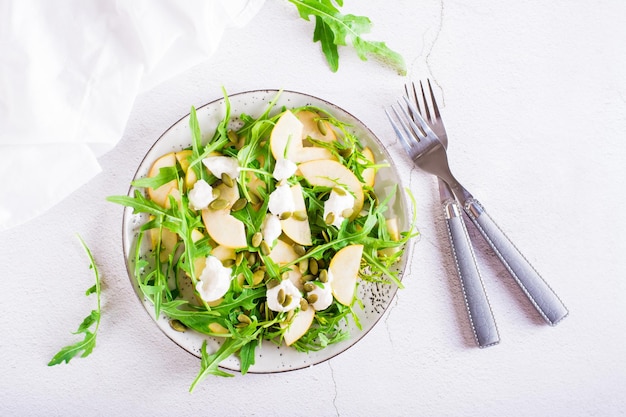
(299, 249)
(281, 296)
(346, 153)
(177, 325)
(313, 266)
(216, 192)
(325, 236)
(241, 325)
(244, 319)
(304, 306)
(219, 204)
(300, 215)
(254, 199)
(290, 315)
(256, 239)
(228, 263)
(347, 213)
(239, 204)
(321, 263)
(308, 277)
(241, 279)
(239, 258)
(339, 191)
(303, 266)
(258, 276)
(311, 298)
(285, 215)
(287, 301)
(251, 258)
(232, 136)
(217, 328)
(265, 248)
(227, 180)
(321, 126)
(323, 276)
(330, 218)
(309, 286)
(271, 283)
(284, 275)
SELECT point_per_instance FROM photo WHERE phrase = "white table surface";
(534, 99)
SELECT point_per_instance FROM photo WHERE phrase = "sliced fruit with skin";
(286, 134)
(223, 253)
(310, 122)
(283, 253)
(224, 228)
(329, 173)
(299, 325)
(159, 195)
(183, 159)
(344, 267)
(297, 230)
(369, 174)
(168, 240)
(394, 234)
(312, 153)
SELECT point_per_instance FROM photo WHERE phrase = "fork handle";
(536, 289)
(478, 307)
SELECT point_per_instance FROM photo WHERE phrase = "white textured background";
(534, 97)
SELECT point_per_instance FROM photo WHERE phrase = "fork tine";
(432, 96)
(425, 103)
(418, 119)
(412, 97)
(406, 143)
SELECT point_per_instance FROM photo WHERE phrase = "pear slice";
(168, 241)
(183, 159)
(159, 195)
(369, 174)
(286, 135)
(311, 122)
(394, 234)
(299, 325)
(223, 253)
(329, 173)
(312, 153)
(224, 228)
(344, 268)
(297, 230)
(282, 253)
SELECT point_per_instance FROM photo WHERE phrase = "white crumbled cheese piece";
(214, 281)
(284, 169)
(201, 195)
(288, 289)
(336, 204)
(271, 229)
(219, 165)
(324, 296)
(281, 200)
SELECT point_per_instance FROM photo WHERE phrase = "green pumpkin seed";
(271, 283)
(299, 249)
(258, 277)
(304, 306)
(285, 215)
(257, 238)
(311, 298)
(321, 126)
(309, 286)
(254, 199)
(300, 215)
(303, 266)
(244, 319)
(251, 258)
(323, 276)
(228, 263)
(325, 236)
(265, 248)
(347, 213)
(232, 136)
(239, 258)
(313, 266)
(330, 218)
(177, 325)
(321, 263)
(239, 204)
(219, 204)
(281, 296)
(284, 275)
(216, 192)
(227, 180)
(308, 277)
(241, 279)
(287, 301)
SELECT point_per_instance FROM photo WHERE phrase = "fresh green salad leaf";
(89, 326)
(175, 244)
(333, 29)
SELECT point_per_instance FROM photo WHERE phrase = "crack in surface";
(332, 376)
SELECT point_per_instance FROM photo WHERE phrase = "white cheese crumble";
(271, 229)
(219, 165)
(289, 289)
(281, 200)
(214, 281)
(201, 195)
(284, 169)
(336, 204)
(324, 296)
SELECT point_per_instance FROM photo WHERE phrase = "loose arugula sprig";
(86, 345)
(333, 29)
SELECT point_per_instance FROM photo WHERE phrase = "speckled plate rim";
(271, 358)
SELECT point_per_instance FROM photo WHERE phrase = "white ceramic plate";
(376, 298)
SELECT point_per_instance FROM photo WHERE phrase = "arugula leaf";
(85, 346)
(332, 28)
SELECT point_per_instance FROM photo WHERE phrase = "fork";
(476, 301)
(426, 150)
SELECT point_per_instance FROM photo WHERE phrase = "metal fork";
(476, 301)
(428, 153)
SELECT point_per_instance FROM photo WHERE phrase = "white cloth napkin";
(69, 73)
